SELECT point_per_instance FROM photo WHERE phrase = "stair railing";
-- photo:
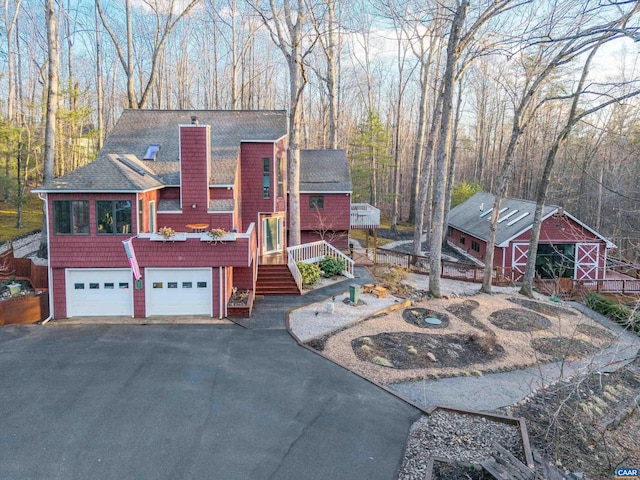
(314, 252)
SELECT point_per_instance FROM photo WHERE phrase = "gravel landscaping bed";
(320, 318)
(455, 436)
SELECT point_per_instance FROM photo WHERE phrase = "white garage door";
(178, 291)
(99, 292)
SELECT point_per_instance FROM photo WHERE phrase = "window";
(449, 232)
(462, 240)
(152, 151)
(123, 285)
(113, 217)
(157, 284)
(172, 284)
(202, 284)
(140, 215)
(94, 286)
(78, 286)
(187, 285)
(280, 178)
(475, 246)
(316, 202)
(71, 217)
(108, 286)
(266, 178)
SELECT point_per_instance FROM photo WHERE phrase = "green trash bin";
(354, 293)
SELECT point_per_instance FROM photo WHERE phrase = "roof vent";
(195, 120)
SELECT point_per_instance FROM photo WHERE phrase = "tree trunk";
(99, 86)
(52, 108)
(452, 163)
(444, 143)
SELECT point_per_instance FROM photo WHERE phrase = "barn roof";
(516, 217)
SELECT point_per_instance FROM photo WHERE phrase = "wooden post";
(375, 246)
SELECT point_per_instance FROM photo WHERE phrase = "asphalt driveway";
(188, 401)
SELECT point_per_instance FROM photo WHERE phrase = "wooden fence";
(38, 275)
(502, 277)
(465, 272)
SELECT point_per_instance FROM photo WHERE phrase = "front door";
(271, 235)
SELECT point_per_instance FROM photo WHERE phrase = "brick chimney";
(195, 168)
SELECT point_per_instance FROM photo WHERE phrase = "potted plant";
(14, 288)
(167, 232)
(216, 233)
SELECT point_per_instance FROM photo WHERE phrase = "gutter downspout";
(46, 219)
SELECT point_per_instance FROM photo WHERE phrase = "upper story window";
(71, 217)
(463, 240)
(113, 217)
(475, 246)
(316, 202)
(266, 178)
(280, 178)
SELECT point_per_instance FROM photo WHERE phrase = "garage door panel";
(172, 291)
(99, 292)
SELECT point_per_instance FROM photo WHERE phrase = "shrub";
(310, 273)
(618, 313)
(332, 266)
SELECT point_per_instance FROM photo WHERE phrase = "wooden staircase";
(275, 280)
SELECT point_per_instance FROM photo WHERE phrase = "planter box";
(227, 237)
(24, 309)
(241, 311)
(178, 237)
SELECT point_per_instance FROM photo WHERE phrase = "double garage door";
(109, 292)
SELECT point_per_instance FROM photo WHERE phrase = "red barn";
(567, 247)
(184, 173)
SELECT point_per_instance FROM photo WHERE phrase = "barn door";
(587, 260)
(519, 260)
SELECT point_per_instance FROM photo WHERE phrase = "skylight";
(139, 170)
(517, 219)
(491, 210)
(508, 215)
(152, 151)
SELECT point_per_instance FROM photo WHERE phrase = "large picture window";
(71, 217)
(113, 217)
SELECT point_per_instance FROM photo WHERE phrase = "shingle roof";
(324, 171)
(473, 215)
(137, 129)
(108, 173)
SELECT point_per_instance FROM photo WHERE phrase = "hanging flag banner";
(133, 261)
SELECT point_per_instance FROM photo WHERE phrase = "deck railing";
(314, 252)
(364, 216)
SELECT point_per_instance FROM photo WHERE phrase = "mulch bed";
(405, 350)
(416, 316)
(543, 308)
(562, 347)
(464, 311)
(519, 320)
(595, 332)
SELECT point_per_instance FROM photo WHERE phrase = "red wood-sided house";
(191, 172)
(567, 247)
